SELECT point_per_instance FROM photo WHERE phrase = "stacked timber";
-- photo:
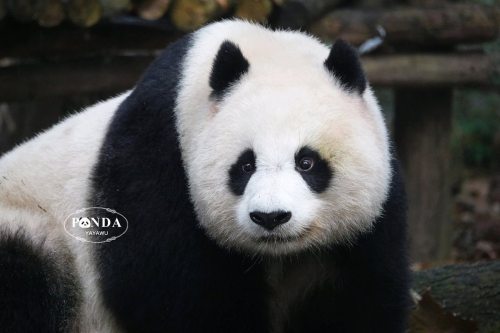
(185, 15)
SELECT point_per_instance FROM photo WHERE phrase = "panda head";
(284, 144)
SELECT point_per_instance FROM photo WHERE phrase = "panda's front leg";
(38, 290)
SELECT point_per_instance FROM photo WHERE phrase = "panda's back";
(60, 158)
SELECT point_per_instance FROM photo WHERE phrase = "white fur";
(285, 101)
(46, 179)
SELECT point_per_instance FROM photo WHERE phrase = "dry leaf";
(430, 317)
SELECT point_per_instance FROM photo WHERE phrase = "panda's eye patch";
(241, 171)
(305, 164)
(315, 170)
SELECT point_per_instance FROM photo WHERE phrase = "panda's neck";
(291, 281)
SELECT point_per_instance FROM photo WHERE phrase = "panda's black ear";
(229, 65)
(343, 62)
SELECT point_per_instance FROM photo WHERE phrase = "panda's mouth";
(281, 239)
(278, 239)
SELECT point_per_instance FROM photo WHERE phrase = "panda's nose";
(270, 220)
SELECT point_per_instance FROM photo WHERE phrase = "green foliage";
(487, 2)
(476, 124)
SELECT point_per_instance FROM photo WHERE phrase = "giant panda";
(256, 174)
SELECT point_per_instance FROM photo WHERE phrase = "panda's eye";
(305, 164)
(247, 167)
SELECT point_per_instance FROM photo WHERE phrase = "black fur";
(238, 178)
(344, 64)
(36, 293)
(166, 275)
(318, 178)
(229, 65)
(370, 293)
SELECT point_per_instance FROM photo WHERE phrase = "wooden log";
(444, 25)
(468, 291)
(152, 9)
(422, 131)
(188, 15)
(84, 13)
(299, 14)
(114, 7)
(254, 10)
(49, 13)
(386, 3)
(3, 10)
(22, 10)
(430, 317)
(422, 70)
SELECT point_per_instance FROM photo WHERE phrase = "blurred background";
(435, 66)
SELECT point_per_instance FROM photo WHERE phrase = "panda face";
(277, 177)
(278, 164)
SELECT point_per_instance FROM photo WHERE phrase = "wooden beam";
(423, 70)
(415, 26)
(90, 75)
(422, 131)
(75, 77)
